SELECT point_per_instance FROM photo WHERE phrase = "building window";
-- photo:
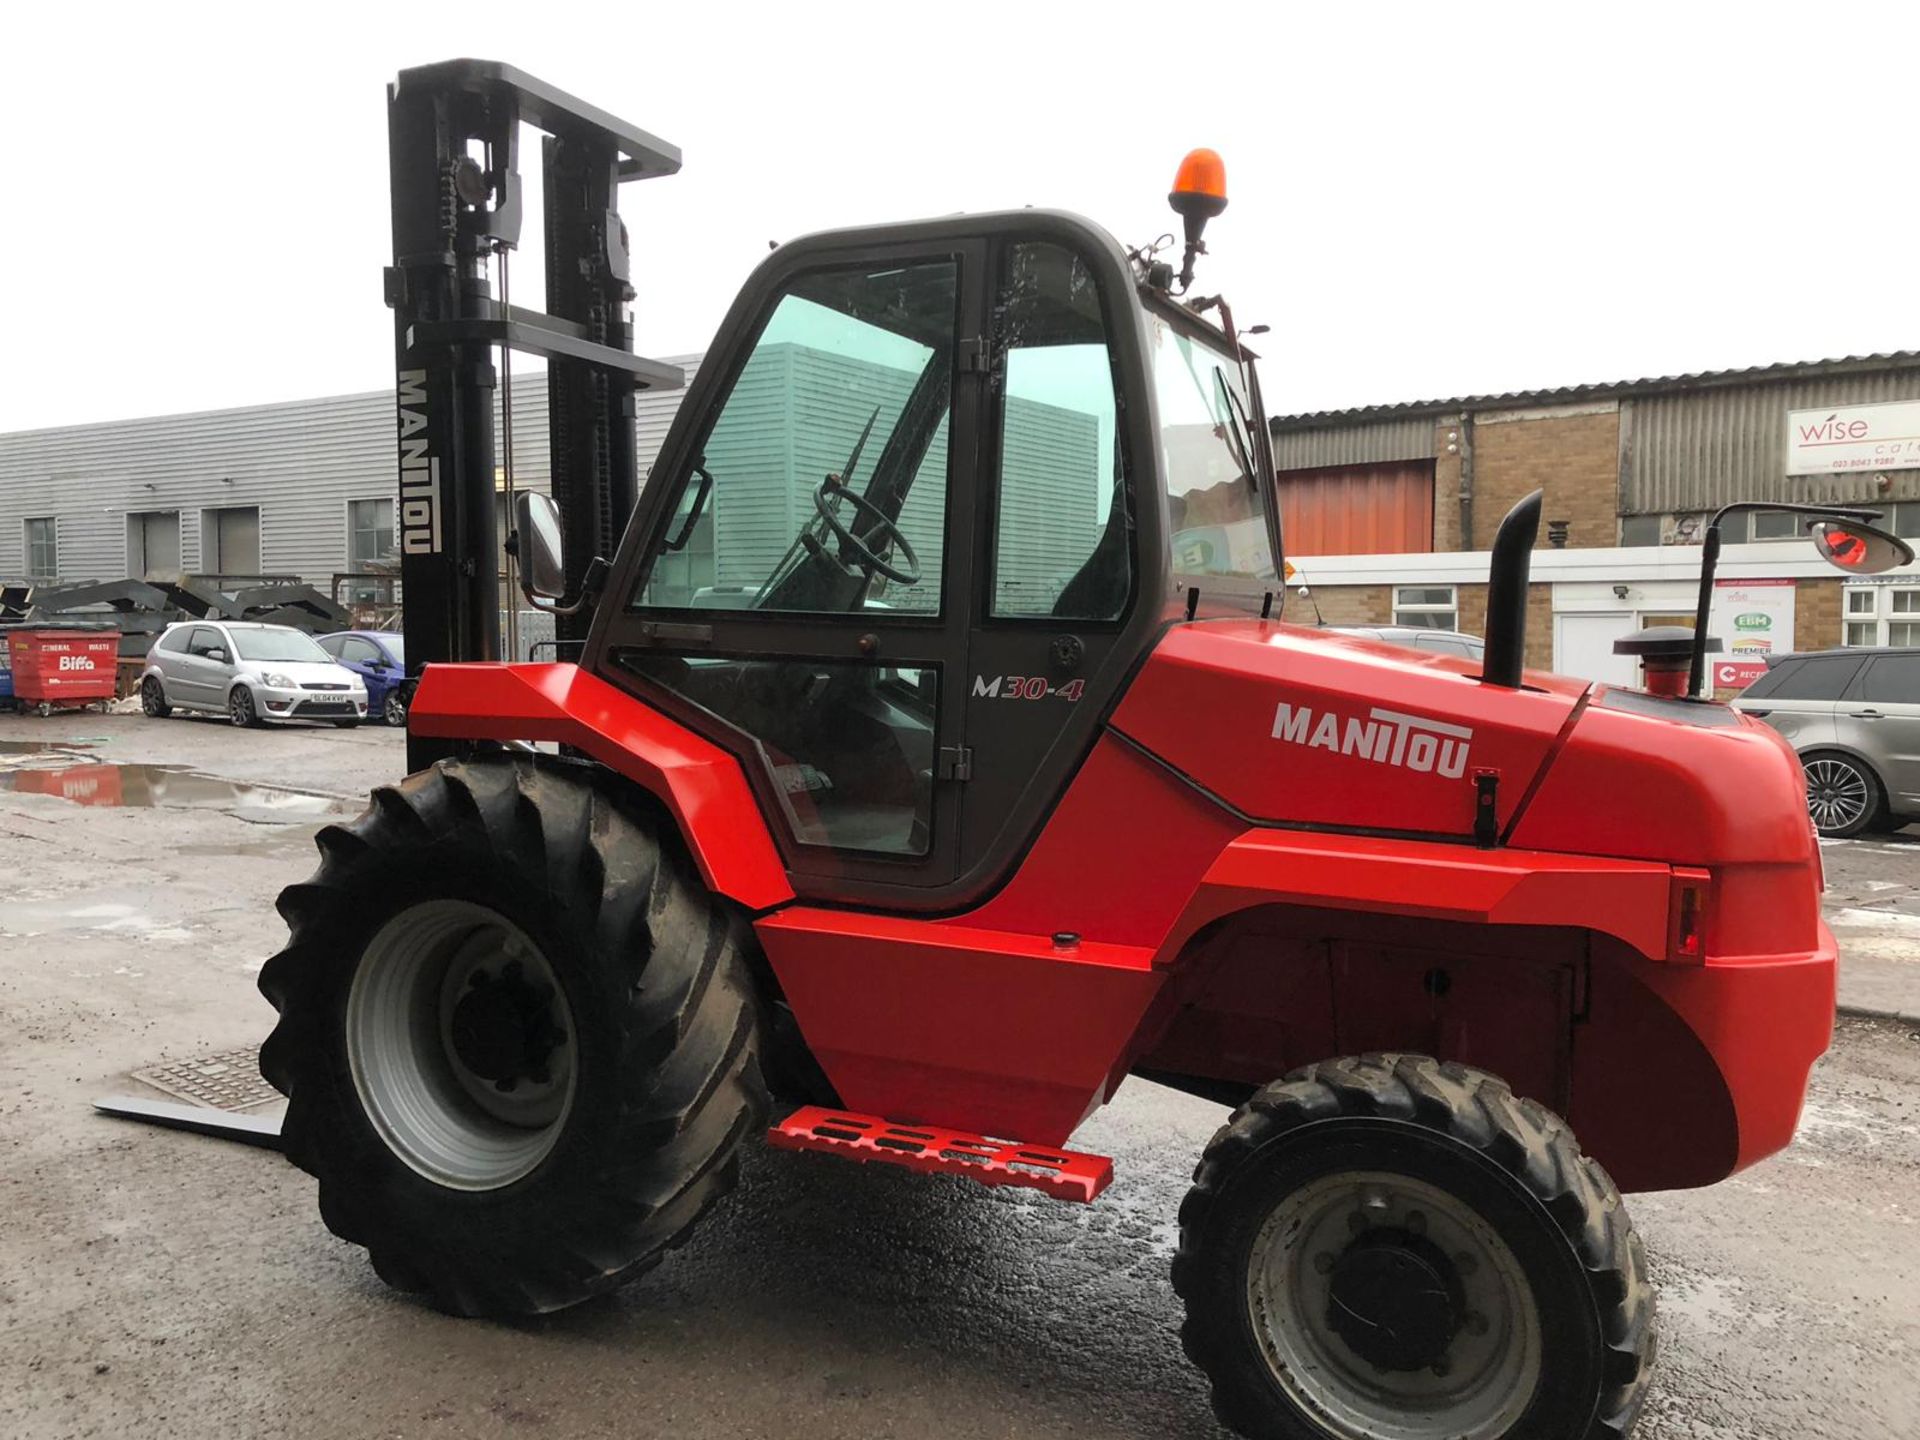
(369, 533)
(1746, 526)
(1882, 615)
(1637, 530)
(1431, 607)
(43, 549)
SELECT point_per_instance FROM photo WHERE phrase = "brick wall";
(1574, 458)
(1539, 651)
(1816, 614)
(1341, 604)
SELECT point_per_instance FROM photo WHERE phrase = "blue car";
(379, 657)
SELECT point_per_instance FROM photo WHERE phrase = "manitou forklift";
(931, 755)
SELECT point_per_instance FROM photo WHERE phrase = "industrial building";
(1388, 509)
(303, 488)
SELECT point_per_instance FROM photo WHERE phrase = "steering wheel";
(831, 490)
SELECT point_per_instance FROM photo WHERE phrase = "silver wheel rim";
(448, 1121)
(1491, 1366)
(1836, 794)
(150, 697)
(396, 708)
(240, 707)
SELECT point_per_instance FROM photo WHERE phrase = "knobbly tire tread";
(651, 962)
(1526, 1140)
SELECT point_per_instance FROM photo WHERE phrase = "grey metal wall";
(299, 462)
(1697, 451)
(1355, 445)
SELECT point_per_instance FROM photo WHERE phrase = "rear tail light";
(1687, 916)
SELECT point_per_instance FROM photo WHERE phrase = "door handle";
(1864, 714)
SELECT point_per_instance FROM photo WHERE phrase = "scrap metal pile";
(141, 609)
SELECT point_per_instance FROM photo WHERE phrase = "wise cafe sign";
(1854, 437)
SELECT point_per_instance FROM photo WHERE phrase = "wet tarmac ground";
(158, 1284)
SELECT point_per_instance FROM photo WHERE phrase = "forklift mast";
(453, 147)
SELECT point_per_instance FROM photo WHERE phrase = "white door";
(1583, 647)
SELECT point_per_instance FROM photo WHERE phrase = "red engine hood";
(1291, 724)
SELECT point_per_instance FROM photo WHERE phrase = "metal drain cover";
(226, 1079)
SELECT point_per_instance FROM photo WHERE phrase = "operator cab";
(936, 489)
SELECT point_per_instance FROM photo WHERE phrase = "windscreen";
(1207, 443)
(279, 645)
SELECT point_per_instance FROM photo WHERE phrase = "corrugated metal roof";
(1384, 441)
(1617, 389)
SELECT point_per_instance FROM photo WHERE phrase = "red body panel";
(1685, 1073)
(1313, 728)
(1195, 943)
(1439, 882)
(943, 1024)
(697, 781)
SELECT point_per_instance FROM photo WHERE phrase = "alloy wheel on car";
(1839, 794)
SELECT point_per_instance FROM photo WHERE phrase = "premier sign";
(1854, 437)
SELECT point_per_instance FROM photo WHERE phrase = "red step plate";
(1063, 1174)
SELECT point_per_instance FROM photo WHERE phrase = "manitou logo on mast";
(1386, 737)
(419, 470)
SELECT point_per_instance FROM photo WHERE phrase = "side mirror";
(543, 570)
(1858, 548)
(217, 655)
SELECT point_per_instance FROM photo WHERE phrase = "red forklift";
(932, 754)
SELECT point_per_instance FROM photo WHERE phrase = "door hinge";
(971, 355)
(955, 762)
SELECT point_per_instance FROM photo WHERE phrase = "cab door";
(800, 587)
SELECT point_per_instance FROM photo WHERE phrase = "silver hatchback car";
(249, 673)
(1854, 717)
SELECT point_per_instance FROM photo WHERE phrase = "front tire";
(153, 699)
(1843, 796)
(240, 708)
(1392, 1246)
(393, 709)
(519, 1040)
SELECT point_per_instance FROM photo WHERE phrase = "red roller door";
(1383, 509)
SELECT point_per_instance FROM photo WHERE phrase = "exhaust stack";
(1507, 572)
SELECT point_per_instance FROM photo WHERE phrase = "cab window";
(1207, 442)
(1063, 526)
(822, 483)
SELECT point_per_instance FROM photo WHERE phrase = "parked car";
(379, 658)
(1854, 718)
(249, 673)
(1417, 637)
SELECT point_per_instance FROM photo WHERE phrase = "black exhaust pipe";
(1507, 573)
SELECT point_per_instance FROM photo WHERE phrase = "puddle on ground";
(44, 747)
(83, 781)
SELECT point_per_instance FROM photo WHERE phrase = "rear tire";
(1333, 1208)
(1843, 795)
(496, 1200)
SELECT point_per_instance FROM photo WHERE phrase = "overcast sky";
(1428, 200)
